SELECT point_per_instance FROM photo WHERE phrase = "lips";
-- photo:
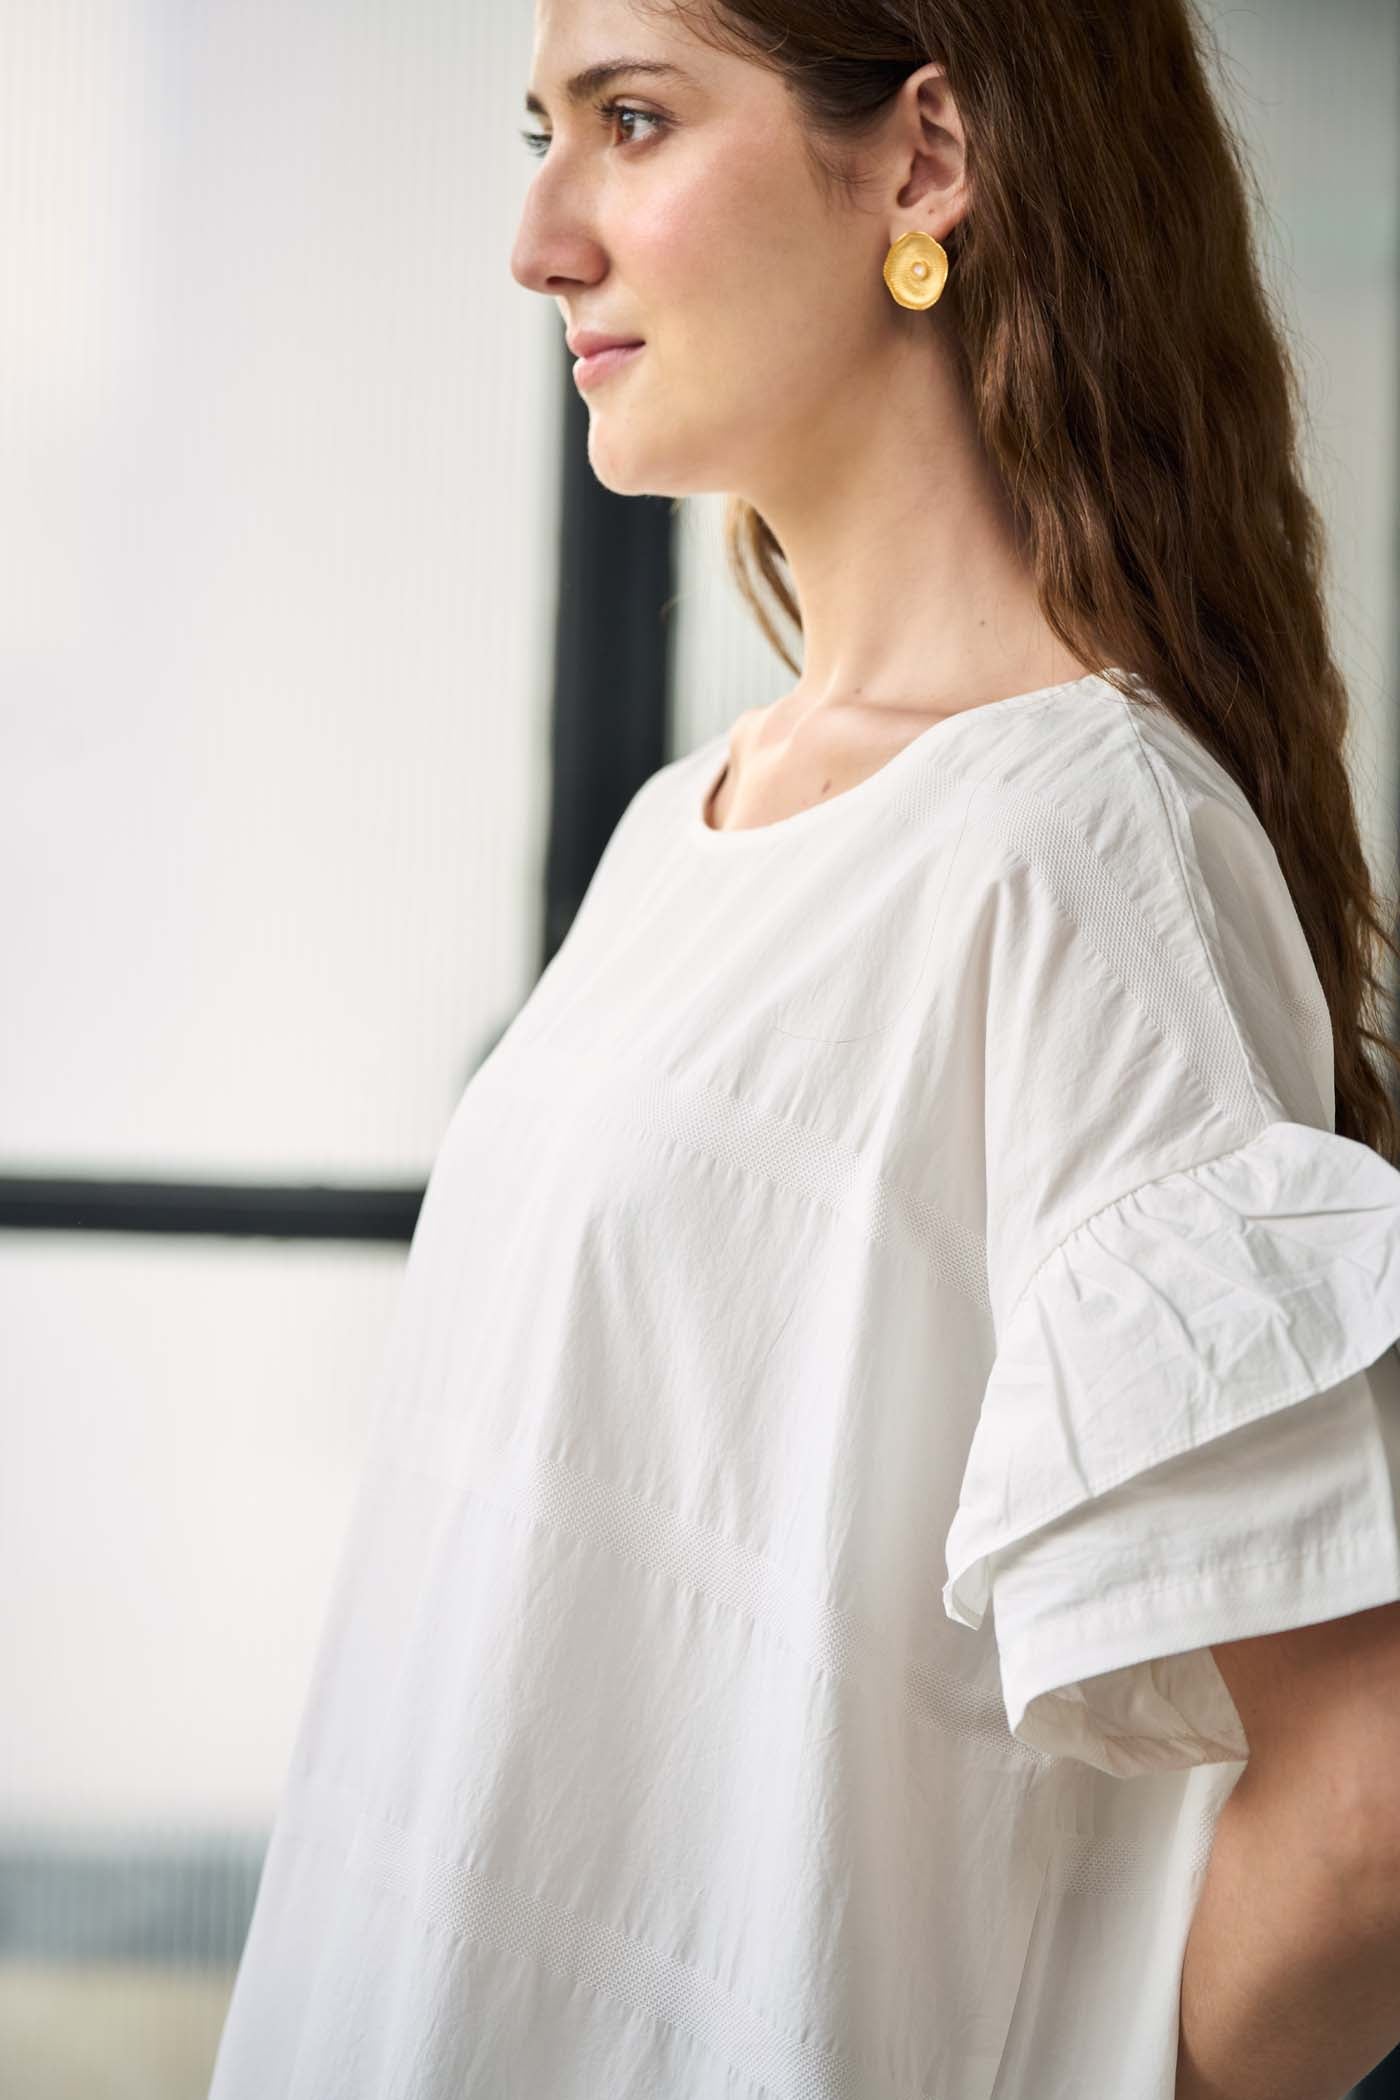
(589, 342)
(589, 370)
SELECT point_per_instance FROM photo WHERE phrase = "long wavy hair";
(1134, 387)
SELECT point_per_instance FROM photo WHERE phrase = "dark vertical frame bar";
(611, 660)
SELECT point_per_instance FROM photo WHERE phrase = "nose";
(549, 254)
(527, 263)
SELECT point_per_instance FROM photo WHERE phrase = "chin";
(619, 464)
(616, 475)
(629, 469)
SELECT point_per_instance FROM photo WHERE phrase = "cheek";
(674, 242)
(719, 228)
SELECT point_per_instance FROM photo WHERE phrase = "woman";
(877, 1574)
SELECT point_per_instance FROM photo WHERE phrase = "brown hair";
(1133, 384)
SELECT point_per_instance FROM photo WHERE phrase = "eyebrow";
(585, 85)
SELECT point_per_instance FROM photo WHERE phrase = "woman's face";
(696, 225)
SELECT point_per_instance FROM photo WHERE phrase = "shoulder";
(1077, 820)
(1115, 855)
(1113, 769)
(1117, 807)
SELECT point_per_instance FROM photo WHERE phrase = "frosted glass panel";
(278, 527)
(184, 1423)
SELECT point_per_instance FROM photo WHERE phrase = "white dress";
(890, 1300)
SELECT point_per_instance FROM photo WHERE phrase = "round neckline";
(804, 820)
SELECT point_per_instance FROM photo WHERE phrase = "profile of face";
(680, 208)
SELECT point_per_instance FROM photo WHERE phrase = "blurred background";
(326, 669)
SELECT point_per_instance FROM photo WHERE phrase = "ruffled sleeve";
(1190, 1431)
(1143, 1479)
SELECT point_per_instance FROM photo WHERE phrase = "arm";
(1290, 1984)
(1290, 1988)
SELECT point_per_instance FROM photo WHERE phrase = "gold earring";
(916, 269)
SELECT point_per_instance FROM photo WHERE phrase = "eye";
(612, 112)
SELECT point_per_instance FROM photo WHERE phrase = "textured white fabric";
(890, 1300)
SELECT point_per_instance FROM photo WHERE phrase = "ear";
(929, 155)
